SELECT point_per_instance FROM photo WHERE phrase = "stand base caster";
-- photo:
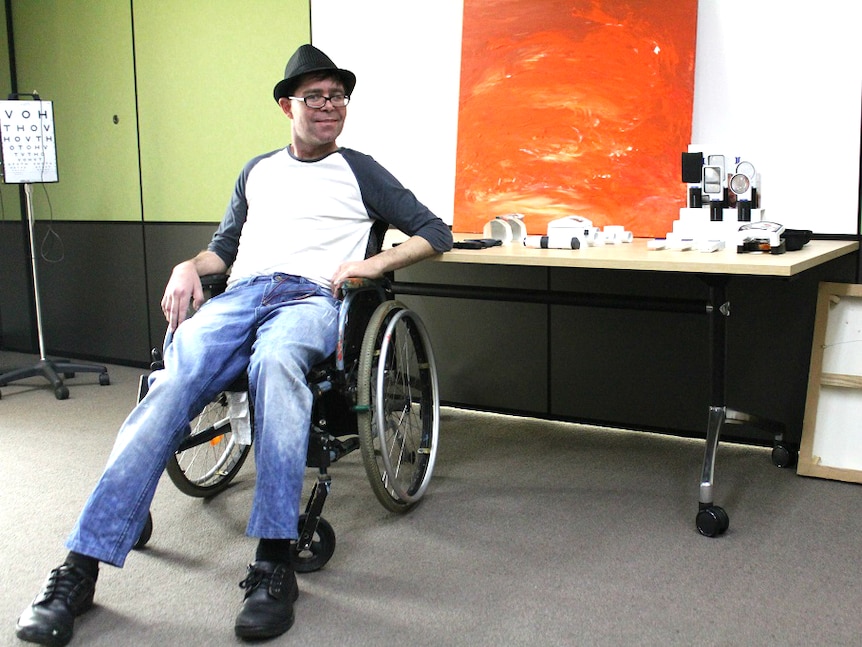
(712, 521)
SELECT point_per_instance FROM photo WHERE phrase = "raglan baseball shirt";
(307, 217)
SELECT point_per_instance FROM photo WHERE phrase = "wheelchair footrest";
(324, 449)
(342, 446)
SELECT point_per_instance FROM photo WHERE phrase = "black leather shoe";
(267, 609)
(49, 620)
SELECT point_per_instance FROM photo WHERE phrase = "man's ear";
(286, 106)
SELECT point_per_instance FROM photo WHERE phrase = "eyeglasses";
(317, 101)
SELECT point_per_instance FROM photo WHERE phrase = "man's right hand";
(183, 288)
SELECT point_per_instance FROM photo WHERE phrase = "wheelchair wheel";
(319, 552)
(398, 407)
(209, 458)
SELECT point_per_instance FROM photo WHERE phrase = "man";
(298, 225)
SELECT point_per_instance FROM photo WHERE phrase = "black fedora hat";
(308, 59)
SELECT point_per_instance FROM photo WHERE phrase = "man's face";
(315, 129)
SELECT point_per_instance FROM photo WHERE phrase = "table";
(715, 269)
(637, 256)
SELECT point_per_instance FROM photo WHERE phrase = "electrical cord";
(52, 249)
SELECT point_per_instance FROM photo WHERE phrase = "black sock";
(274, 550)
(89, 565)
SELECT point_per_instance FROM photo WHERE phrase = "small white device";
(574, 227)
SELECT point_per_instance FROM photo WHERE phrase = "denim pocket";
(285, 287)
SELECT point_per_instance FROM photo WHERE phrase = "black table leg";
(712, 520)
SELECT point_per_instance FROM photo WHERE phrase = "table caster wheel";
(712, 521)
(146, 533)
(783, 455)
(321, 549)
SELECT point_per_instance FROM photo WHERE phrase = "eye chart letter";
(28, 143)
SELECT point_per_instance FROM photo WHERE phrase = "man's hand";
(354, 270)
(183, 287)
(412, 250)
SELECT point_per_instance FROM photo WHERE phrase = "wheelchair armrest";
(214, 283)
(355, 284)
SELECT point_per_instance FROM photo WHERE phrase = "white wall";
(404, 112)
(781, 84)
(777, 83)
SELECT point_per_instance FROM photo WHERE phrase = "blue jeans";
(278, 326)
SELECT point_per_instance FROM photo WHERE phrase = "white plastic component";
(498, 229)
(707, 246)
(519, 229)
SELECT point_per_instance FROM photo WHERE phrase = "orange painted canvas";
(575, 107)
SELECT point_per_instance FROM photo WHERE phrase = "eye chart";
(28, 142)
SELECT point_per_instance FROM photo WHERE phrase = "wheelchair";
(377, 393)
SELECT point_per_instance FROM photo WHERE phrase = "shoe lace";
(62, 583)
(255, 578)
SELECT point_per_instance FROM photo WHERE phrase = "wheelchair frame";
(377, 393)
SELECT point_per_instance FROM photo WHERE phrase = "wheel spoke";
(209, 458)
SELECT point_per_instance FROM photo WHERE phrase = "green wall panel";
(205, 72)
(10, 205)
(78, 54)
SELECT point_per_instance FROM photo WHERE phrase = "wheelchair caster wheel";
(712, 521)
(783, 455)
(321, 549)
(146, 533)
(104, 379)
(61, 392)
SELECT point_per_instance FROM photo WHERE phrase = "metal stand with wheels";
(30, 155)
(52, 370)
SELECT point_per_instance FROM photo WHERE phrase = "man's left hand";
(353, 270)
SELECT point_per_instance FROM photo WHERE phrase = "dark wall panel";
(101, 286)
(633, 367)
(93, 291)
(16, 323)
(489, 354)
(629, 368)
(166, 245)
